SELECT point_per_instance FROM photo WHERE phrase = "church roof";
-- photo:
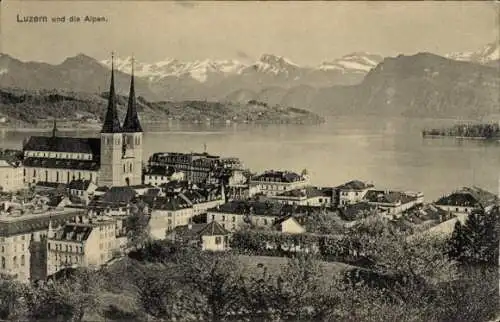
(89, 165)
(64, 144)
(131, 123)
(111, 122)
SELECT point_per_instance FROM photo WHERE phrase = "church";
(113, 159)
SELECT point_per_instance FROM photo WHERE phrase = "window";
(234, 218)
(34, 172)
(57, 176)
(23, 237)
(66, 247)
(79, 175)
(124, 168)
(223, 218)
(14, 261)
(22, 260)
(130, 167)
(3, 262)
(458, 210)
(218, 240)
(3, 249)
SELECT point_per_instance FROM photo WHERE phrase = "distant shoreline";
(97, 126)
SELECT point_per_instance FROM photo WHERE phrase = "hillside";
(421, 85)
(38, 107)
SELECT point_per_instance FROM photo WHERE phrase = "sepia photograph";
(249, 161)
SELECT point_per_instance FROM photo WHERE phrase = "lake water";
(389, 152)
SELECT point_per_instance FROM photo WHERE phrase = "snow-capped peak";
(198, 69)
(489, 53)
(358, 62)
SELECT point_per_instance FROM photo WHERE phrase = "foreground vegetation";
(402, 278)
(33, 107)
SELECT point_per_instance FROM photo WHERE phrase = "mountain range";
(459, 84)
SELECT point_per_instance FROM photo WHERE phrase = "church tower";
(111, 141)
(132, 137)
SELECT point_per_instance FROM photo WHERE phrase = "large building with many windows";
(113, 159)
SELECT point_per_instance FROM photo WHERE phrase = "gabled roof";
(197, 230)
(63, 144)
(166, 203)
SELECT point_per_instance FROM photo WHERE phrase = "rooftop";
(355, 185)
(278, 176)
(197, 230)
(388, 197)
(63, 144)
(40, 162)
(469, 197)
(256, 208)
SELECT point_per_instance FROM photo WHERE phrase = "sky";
(307, 33)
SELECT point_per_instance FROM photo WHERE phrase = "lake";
(389, 152)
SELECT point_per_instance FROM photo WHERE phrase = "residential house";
(393, 203)
(466, 200)
(82, 189)
(289, 225)
(307, 196)
(352, 192)
(167, 213)
(271, 183)
(89, 243)
(114, 202)
(211, 236)
(157, 175)
(11, 176)
(235, 214)
(202, 200)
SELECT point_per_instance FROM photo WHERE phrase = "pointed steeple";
(111, 121)
(131, 123)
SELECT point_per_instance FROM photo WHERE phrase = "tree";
(12, 305)
(213, 284)
(476, 241)
(137, 227)
(67, 299)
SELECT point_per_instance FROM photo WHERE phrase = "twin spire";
(111, 121)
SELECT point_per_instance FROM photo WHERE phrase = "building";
(158, 175)
(271, 183)
(23, 241)
(113, 159)
(11, 176)
(352, 192)
(168, 213)
(81, 244)
(393, 203)
(195, 166)
(116, 201)
(466, 200)
(236, 214)
(82, 189)
(211, 236)
(289, 225)
(307, 196)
